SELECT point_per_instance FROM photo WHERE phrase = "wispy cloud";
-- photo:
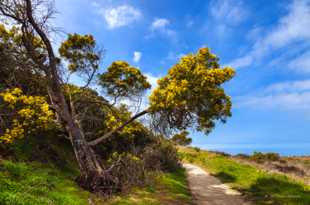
(172, 57)
(162, 26)
(291, 86)
(116, 17)
(230, 12)
(137, 56)
(226, 14)
(159, 24)
(291, 95)
(301, 63)
(293, 27)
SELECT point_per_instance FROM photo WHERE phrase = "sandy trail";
(208, 190)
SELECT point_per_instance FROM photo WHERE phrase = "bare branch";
(109, 134)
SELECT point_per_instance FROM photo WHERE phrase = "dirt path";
(208, 190)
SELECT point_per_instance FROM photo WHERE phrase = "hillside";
(39, 184)
(258, 185)
(34, 172)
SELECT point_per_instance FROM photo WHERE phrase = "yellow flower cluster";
(123, 80)
(29, 113)
(114, 120)
(192, 92)
(191, 78)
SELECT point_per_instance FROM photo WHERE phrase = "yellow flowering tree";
(191, 94)
(122, 80)
(22, 115)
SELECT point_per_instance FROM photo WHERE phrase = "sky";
(267, 42)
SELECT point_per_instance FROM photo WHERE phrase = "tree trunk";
(92, 177)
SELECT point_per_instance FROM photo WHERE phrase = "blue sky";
(267, 42)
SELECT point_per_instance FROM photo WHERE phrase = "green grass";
(37, 184)
(34, 183)
(262, 187)
(168, 189)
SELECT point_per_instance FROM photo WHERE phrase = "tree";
(190, 95)
(182, 138)
(21, 114)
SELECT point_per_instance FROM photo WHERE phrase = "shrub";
(197, 149)
(242, 156)
(262, 157)
(161, 156)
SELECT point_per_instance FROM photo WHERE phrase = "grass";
(38, 184)
(262, 187)
(34, 183)
(168, 189)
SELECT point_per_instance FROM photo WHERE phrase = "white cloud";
(293, 27)
(120, 16)
(301, 63)
(226, 14)
(241, 62)
(291, 95)
(152, 80)
(137, 56)
(291, 86)
(161, 25)
(289, 101)
(230, 12)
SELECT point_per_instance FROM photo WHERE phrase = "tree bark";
(92, 172)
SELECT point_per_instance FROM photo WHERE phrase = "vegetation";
(182, 138)
(38, 184)
(168, 189)
(261, 157)
(190, 95)
(42, 184)
(262, 187)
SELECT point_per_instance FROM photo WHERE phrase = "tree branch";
(45, 39)
(109, 134)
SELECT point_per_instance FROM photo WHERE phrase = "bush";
(243, 156)
(262, 157)
(197, 149)
(161, 156)
(125, 170)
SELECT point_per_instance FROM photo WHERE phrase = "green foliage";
(123, 80)
(37, 184)
(161, 155)
(45, 147)
(191, 93)
(134, 138)
(265, 188)
(80, 52)
(16, 69)
(182, 138)
(90, 109)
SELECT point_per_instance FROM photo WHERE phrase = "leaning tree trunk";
(93, 176)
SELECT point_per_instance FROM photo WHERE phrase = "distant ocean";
(300, 149)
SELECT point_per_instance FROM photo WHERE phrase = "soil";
(208, 190)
